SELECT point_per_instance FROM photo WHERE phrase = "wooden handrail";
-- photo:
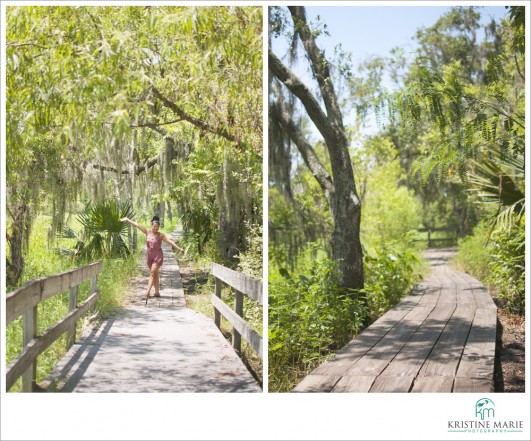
(35, 291)
(24, 301)
(252, 288)
(243, 285)
(430, 230)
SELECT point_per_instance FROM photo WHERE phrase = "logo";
(485, 421)
(485, 408)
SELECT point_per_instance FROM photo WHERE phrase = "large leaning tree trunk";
(339, 189)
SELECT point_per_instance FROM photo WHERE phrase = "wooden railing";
(25, 300)
(451, 239)
(242, 285)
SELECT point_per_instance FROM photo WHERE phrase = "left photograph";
(134, 199)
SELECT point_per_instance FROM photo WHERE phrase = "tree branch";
(495, 107)
(318, 63)
(153, 125)
(518, 68)
(220, 131)
(308, 153)
(148, 125)
(138, 168)
(299, 89)
(25, 44)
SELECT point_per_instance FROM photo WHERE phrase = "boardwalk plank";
(380, 355)
(392, 384)
(475, 385)
(445, 356)
(441, 338)
(433, 384)
(478, 356)
(359, 346)
(159, 347)
(317, 383)
(413, 355)
(354, 384)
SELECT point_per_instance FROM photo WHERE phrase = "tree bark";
(15, 266)
(229, 212)
(340, 189)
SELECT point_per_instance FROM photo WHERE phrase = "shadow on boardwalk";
(440, 338)
(159, 347)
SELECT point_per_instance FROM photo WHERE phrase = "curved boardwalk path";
(440, 338)
(159, 347)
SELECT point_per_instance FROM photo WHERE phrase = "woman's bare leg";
(151, 279)
(156, 279)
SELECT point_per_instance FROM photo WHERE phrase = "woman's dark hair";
(155, 219)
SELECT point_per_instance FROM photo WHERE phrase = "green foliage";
(113, 283)
(197, 220)
(251, 261)
(43, 261)
(390, 209)
(499, 181)
(309, 316)
(497, 258)
(297, 219)
(85, 120)
(507, 265)
(474, 254)
(473, 102)
(391, 272)
(104, 235)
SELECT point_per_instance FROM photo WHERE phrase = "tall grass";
(311, 316)
(498, 261)
(42, 261)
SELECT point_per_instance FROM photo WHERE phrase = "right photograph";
(396, 199)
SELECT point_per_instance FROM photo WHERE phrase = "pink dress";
(154, 249)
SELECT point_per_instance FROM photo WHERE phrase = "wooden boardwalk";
(159, 347)
(440, 338)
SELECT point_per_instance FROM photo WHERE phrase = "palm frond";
(498, 180)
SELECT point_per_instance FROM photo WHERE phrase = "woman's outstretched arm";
(172, 243)
(140, 227)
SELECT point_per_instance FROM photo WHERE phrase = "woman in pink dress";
(154, 251)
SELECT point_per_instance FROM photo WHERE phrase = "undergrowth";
(44, 261)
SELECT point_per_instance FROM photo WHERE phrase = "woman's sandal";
(157, 294)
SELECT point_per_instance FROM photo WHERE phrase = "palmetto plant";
(103, 234)
(498, 180)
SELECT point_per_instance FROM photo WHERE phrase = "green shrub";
(43, 261)
(474, 254)
(390, 273)
(251, 260)
(310, 316)
(498, 261)
(507, 265)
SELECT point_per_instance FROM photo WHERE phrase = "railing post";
(29, 377)
(93, 284)
(217, 314)
(429, 238)
(93, 287)
(238, 309)
(72, 304)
